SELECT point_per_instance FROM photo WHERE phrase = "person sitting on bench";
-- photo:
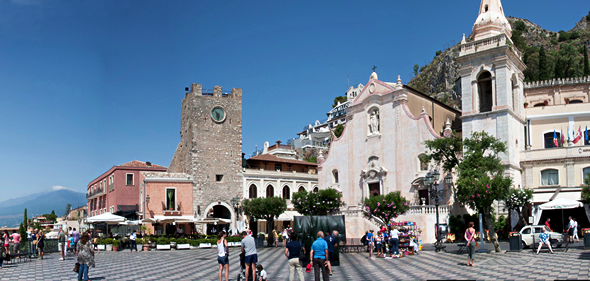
(544, 239)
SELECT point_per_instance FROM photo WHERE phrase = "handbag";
(476, 244)
(302, 252)
(76, 267)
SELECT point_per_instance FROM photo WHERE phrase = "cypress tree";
(543, 71)
(586, 63)
(26, 220)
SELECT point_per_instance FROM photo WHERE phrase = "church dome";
(491, 20)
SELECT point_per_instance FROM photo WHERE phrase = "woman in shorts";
(222, 255)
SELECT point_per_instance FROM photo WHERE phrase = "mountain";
(11, 215)
(547, 54)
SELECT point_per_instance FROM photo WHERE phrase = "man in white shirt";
(394, 241)
(570, 230)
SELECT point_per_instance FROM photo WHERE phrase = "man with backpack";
(295, 251)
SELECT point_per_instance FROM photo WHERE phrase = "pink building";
(117, 190)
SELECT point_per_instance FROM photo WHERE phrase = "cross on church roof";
(374, 67)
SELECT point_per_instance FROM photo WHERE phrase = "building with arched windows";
(276, 172)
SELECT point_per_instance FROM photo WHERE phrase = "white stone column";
(570, 173)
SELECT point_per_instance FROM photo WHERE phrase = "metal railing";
(95, 192)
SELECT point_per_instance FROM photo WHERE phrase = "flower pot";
(101, 247)
(109, 247)
(115, 248)
(182, 246)
(173, 245)
(163, 247)
(146, 247)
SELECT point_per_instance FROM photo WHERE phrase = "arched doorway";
(219, 212)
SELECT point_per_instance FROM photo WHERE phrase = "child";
(261, 273)
(379, 244)
(71, 247)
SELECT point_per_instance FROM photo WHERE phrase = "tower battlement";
(197, 90)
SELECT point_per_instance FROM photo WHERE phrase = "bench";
(352, 245)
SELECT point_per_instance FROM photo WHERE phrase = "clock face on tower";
(218, 114)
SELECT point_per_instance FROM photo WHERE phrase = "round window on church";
(218, 114)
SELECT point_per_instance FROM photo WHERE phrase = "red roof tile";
(272, 158)
(140, 164)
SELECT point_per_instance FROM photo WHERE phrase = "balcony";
(96, 193)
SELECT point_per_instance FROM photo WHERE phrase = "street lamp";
(236, 204)
(436, 195)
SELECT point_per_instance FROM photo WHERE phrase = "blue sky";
(85, 85)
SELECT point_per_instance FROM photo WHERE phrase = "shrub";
(163, 241)
(116, 242)
(234, 239)
(139, 241)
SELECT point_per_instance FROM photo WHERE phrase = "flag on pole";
(562, 140)
(578, 135)
(555, 139)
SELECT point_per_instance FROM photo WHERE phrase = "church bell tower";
(492, 84)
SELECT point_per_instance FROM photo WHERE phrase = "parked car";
(528, 231)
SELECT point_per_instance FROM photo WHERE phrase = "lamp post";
(436, 195)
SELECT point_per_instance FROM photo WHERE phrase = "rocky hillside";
(547, 54)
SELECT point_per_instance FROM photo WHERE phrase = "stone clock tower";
(492, 84)
(210, 149)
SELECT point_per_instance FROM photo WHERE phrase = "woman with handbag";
(40, 243)
(222, 255)
(85, 256)
(471, 243)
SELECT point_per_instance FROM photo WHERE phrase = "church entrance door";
(374, 189)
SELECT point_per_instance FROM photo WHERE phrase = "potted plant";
(116, 244)
(526, 104)
(567, 100)
(173, 243)
(101, 244)
(182, 243)
(163, 243)
(109, 244)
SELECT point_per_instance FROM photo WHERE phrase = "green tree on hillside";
(586, 62)
(68, 209)
(341, 99)
(543, 69)
(338, 130)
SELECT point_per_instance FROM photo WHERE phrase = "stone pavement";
(202, 265)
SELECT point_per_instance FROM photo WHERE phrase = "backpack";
(364, 239)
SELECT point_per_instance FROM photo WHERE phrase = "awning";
(211, 220)
(540, 198)
(106, 218)
(180, 219)
(560, 203)
(286, 216)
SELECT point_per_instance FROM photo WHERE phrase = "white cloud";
(59, 187)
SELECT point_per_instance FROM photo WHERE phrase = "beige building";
(552, 108)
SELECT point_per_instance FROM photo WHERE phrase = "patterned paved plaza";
(202, 265)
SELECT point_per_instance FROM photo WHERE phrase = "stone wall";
(210, 149)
